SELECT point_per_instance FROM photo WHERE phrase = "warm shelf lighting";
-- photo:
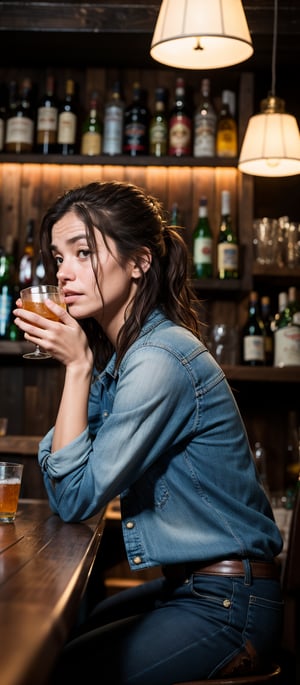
(201, 34)
(271, 146)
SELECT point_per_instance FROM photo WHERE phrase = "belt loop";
(247, 569)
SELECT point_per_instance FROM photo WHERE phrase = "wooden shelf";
(8, 347)
(13, 351)
(286, 374)
(256, 374)
(274, 272)
(118, 160)
(234, 285)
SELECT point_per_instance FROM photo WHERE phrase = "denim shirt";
(166, 434)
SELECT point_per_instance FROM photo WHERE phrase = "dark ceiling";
(118, 32)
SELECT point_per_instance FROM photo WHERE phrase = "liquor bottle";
(265, 307)
(205, 124)
(282, 304)
(9, 292)
(113, 123)
(11, 106)
(226, 133)
(6, 290)
(253, 352)
(136, 125)
(20, 123)
(67, 121)
(202, 243)
(91, 139)
(227, 249)
(176, 218)
(287, 333)
(180, 123)
(158, 129)
(47, 120)
(26, 261)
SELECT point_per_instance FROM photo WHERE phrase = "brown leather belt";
(226, 567)
(235, 567)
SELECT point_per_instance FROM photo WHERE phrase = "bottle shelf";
(286, 374)
(269, 374)
(16, 349)
(234, 285)
(117, 160)
(276, 273)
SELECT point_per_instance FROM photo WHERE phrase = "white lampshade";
(201, 34)
(271, 146)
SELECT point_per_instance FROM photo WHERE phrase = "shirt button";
(226, 603)
(137, 560)
(130, 524)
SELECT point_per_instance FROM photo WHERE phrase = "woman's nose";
(64, 273)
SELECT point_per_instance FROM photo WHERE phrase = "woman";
(147, 414)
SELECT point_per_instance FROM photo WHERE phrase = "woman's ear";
(143, 264)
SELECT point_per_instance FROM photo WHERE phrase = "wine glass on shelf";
(33, 299)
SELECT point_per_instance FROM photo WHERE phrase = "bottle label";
(227, 257)
(135, 137)
(253, 348)
(287, 346)
(226, 143)
(202, 251)
(113, 131)
(47, 119)
(91, 143)
(66, 128)
(158, 138)
(204, 136)
(19, 130)
(5, 309)
(180, 135)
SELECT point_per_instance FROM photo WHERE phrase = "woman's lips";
(71, 296)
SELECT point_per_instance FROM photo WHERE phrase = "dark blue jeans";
(157, 634)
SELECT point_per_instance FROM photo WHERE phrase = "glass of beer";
(10, 483)
(33, 299)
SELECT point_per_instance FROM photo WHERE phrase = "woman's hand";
(64, 339)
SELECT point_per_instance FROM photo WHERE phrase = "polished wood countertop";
(44, 570)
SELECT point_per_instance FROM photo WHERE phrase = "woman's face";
(77, 279)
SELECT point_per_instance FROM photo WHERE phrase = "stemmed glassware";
(33, 299)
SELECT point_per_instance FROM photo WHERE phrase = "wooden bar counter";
(45, 565)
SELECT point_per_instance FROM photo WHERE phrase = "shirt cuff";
(62, 462)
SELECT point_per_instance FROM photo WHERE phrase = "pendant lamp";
(271, 146)
(201, 34)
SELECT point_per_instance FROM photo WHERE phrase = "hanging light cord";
(275, 22)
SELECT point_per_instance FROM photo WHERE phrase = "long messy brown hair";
(134, 220)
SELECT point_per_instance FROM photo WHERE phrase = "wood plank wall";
(27, 190)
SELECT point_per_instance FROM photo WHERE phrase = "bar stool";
(272, 677)
(291, 594)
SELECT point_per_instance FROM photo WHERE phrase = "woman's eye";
(58, 260)
(84, 253)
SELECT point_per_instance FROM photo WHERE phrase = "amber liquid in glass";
(41, 309)
(9, 496)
